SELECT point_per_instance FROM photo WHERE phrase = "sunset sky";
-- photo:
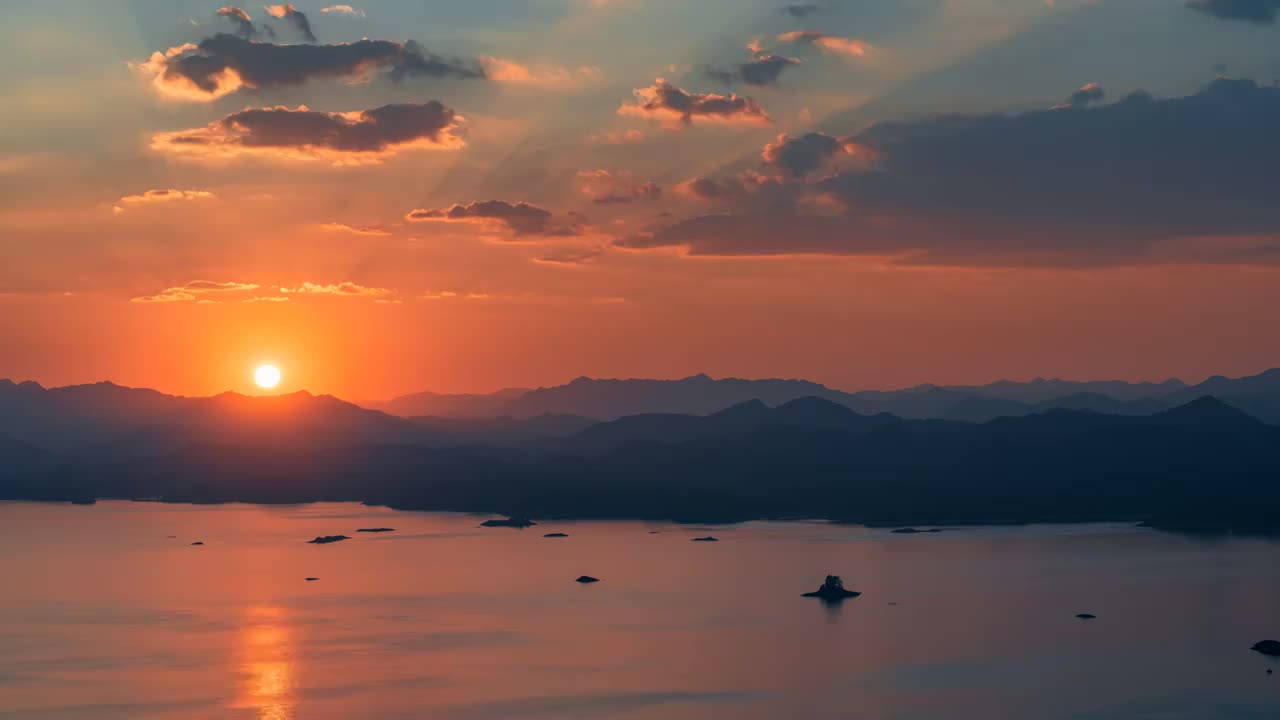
(391, 196)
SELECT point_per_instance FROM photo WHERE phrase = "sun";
(267, 376)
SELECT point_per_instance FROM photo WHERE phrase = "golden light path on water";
(268, 681)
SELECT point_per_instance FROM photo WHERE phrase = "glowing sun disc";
(267, 376)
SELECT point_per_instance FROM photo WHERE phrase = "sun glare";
(267, 376)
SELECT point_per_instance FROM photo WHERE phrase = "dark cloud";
(244, 24)
(668, 102)
(1139, 180)
(294, 16)
(520, 218)
(800, 10)
(798, 156)
(225, 63)
(1086, 94)
(284, 132)
(1263, 12)
(764, 69)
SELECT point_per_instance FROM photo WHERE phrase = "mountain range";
(1180, 460)
(602, 399)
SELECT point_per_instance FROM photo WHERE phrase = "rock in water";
(312, 579)
(197, 543)
(705, 539)
(556, 535)
(515, 521)
(832, 589)
(376, 530)
(586, 579)
(1087, 616)
(326, 539)
(914, 531)
(1268, 647)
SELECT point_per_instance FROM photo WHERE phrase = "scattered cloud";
(852, 47)
(679, 107)
(293, 16)
(606, 187)
(520, 218)
(571, 257)
(800, 10)
(342, 10)
(763, 69)
(1117, 183)
(161, 196)
(615, 138)
(1089, 93)
(238, 17)
(796, 157)
(267, 299)
(366, 136)
(223, 64)
(343, 289)
(540, 76)
(194, 291)
(369, 230)
(1261, 12)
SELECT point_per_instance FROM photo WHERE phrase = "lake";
(103, 615)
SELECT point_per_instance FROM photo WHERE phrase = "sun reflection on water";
(268, 673)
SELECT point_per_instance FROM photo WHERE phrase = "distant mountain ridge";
(610, 399)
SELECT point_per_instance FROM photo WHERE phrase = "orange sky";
(512, 199)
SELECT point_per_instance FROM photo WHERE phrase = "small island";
(198, 542)
(376, 530)
(515, 521)
(1087, 616)
(312, 579)
(705, 539)
(914, 531)
(584, 579)
(553, 535)
(1267, 647)
(326, 539)
(832, 590)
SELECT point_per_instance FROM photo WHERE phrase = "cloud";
(342, 10)
(520, 218)
(571, 257)
(827, 43)
(291, 14)
(225, 63)
(1089, 93)
(163, 196)
(369, 230)
(798, 156)
(244, 24)
(366, 136)
(679, 107)
(800, 10)
(267, 299)
(192, 291)
(540, 76)
(764, 69)
(614, 188)
(1140, 180)
(615, 138)
(745, 188)
(342, 289)
(1262, 12)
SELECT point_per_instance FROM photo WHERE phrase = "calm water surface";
(102, 615)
